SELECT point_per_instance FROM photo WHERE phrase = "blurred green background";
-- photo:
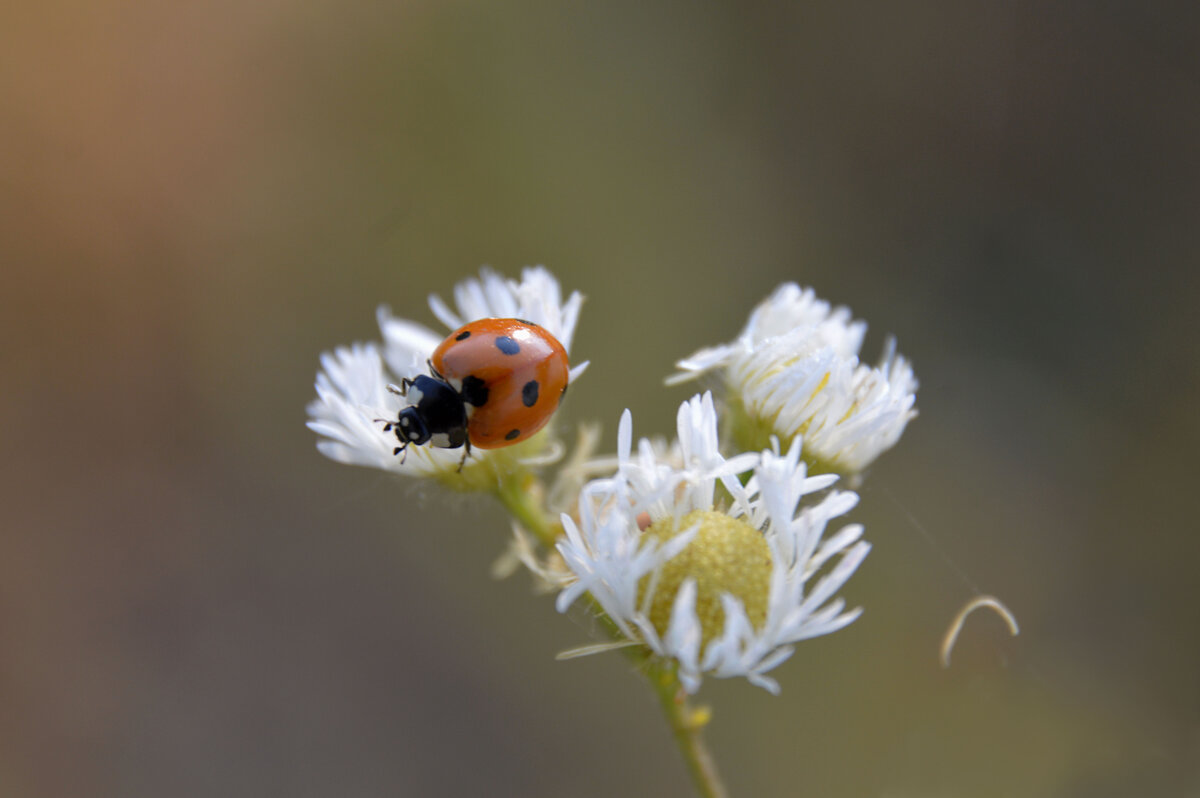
(197, 199)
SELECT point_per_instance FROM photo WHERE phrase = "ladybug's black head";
(410, 428)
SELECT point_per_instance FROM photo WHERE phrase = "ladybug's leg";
(405, 384)
(402, 451)
(466, 453)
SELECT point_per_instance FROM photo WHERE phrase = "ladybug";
(493, 383)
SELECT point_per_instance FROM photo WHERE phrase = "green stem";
(687, 725)
(521, 495)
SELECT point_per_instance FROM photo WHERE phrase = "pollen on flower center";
(727, 555)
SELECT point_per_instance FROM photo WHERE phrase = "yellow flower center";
(727, 555)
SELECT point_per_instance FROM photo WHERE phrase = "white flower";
(721, 591)
(794, 370)
(352, 394)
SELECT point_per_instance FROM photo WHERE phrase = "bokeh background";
(196, 199)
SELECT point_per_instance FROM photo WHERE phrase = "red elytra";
(511, 375)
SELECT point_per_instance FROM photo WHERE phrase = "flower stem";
(521, 494)
(687, 725)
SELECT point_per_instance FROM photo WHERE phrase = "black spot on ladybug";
(462, 336)
(474, 391)
(529, 393)
(512, 434)
(507, 345)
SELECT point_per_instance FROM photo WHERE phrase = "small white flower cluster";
(352, 386)
(794, 371)
(616, 562)
(719, 564)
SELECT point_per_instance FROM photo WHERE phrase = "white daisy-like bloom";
(722, 580)
(352, 385)
(794, 370)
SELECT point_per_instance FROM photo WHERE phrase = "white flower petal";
(683, 637)
(577, 371)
